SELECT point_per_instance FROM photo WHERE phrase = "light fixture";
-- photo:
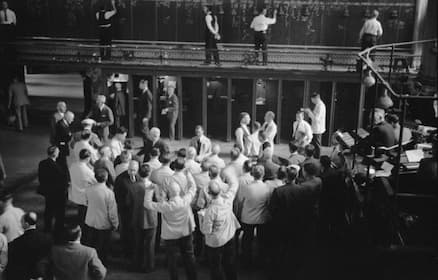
(368, 79)
(384, 101)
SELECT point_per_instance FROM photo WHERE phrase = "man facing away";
(317, 115)
(177, 225)
(103, 18)
(211, 36)
(101, 217)
(54, 182)
(10, 217)
(260, 26)
(219, 226)
(370, 32)
(270, 128)
(74, 261)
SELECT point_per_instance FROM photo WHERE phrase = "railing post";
(390, 64)
(399, 148)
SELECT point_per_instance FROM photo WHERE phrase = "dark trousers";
(248, 239)
(100, 240)
(105, 39)
(185, 246)
(143, 256)
(368, 41)
(316, 141)
(211, 49)
(223, 261)
(260, 43)
(82, 212)
(55, 209)
(172, 117)
(198, 237)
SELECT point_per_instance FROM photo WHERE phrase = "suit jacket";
(28, 256)
(62, 137)
(172, 104)
(148, 145)
(134, 202)
(145, 104)
(204, 150)
(53, 180)
(383, 135)
(121, 190)
(271, 169)
(104, 117)
(75, 261)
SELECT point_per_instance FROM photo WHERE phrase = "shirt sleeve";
(270, 20)
(208, 20)
(379, 29)
(96, 268)
(207, 223)
(112, 210)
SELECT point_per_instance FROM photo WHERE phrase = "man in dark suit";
(53, 186)
(74, 261)
(28, 254)
(63, 136)
(104, 117)
(122, 189)
(271, 168)
(144, 108)
(172, 108)
(382, 134)
(153, 141)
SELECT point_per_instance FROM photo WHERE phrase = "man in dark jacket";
(382, 134)
(144, 108)
(28, 254)
(153, 141)
(53, 186)
(172, 108)
(104, 117)
(63, 136)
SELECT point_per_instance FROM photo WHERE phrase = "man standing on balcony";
(370, 32)
(105, 27)
(211, 36)
(260, 25)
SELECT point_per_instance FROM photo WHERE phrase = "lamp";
(384, 101)
(368, 79)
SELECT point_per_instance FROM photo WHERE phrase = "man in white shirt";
(7, 16)
(118, 141)
(233, 170)
(371, 30)
(219, 226)
(160, 175)
(211, 36)
(191, 165)
(82, 144)
(154, 163)
(270, 128)
(177, 225)
(201, 143)
(10, 218)
(214, 158)
(260, 26)
(101, 217)
(82, 178)
(255, 197)
(302, 131)
(317, 116)
(103, 17)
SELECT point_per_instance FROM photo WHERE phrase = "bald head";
(173, 189)
(69, 116)
(133, 168)
(191, 153)
(155, 133)
(216, 149)
(61, 107)
(214, 189)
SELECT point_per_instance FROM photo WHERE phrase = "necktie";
(6, 15)
(198, 147)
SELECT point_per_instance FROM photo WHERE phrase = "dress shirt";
(270, 130)
(177, 216)
(10, 222)
(121, 167)
(84, 144)
(216, 160)
(371, 26)
(181, 179)
(318, 118)
(255, 197)
(219, 223)
(193, 166)
(161, 174)
(154, 163)
(261, 23)
(7, 17)
(243, 138)
(102, 207)
(305, 129)
(82, 177)
(116, 147)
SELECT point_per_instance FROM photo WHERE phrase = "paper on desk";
(415, 155)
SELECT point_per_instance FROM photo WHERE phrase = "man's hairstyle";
(101, 175)
(84, 154)
(178, 164)
(144, 170)
(311, 168)
(213, 171)
(121, 130)
(191, 153)
(101, 97)
(392, 118)
(234, 153)
(282, 172)
(375, 13)
(266, 145)
(128, 145)
(247, 166)
(72, 232)
(154, 130)
(325, 161)
(309, 150)
(214, 189)
(299, 112)
(205, 165)
(182, 153)
(51, 150)
(199, 127)
(292, 173)
(237, 146)
(85, 135)
(293, 147)
(271, 114)
(165, 158)
(30, 218)
(261, 8)
(125, 156)
(155, 152)
(314, 94)
(258, 172)
(242, 115)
